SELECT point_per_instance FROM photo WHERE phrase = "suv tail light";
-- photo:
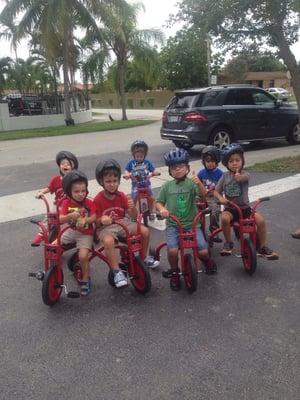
(165, 117)
(194, 116)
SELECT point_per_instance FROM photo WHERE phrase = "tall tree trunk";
(68, 117)
(121, 87)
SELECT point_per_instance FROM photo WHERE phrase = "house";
(269, 79)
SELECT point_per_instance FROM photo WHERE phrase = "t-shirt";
(55, 186)
(210, 178)
(87, 207)
(179, 197)
(114, 208)
(140, 170)
(233, 190)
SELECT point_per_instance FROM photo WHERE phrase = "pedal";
(37, 275)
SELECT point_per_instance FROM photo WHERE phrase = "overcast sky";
(155, 16)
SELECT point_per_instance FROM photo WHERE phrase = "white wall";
(8, 123)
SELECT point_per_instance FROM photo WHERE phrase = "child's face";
(210, 163)
(65, 166)
(111, 183)
(79, 191)
(235, 163)
(179, 171)
(139, 156)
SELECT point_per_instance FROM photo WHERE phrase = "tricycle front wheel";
(140, 276)
(249, 256)
(189, 274)
(52, 285)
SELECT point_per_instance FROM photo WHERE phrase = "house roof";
(253, 76)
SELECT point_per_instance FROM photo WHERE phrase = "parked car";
(220, 115)
(24, 105)
(279, 93)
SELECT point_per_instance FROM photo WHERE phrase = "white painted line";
(24, 205)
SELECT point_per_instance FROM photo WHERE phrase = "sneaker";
(37, 240)
(167, 273)
(120, 279)
(151, 262)
(175, 283)
(210, 267)
(227, 249)
(267, 253)
(217, 239)
(85, 287)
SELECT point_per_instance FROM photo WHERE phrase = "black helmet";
(73, 177)
(176, 156)
(139, 144)
(68, 156)
(230, 149)
(211, 151)
(107, 165)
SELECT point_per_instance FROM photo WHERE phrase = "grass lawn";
(71, 130)
(285, 164)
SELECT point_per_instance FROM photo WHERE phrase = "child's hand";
(127, 175)
(195, 178)
(39, 194)
(164, 212)
(223, 201)
(105, 220)
(74, 215)
(237, 176)
(81, 222)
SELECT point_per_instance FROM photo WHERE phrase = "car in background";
(220, 115)
(279, 93)
(24, 105)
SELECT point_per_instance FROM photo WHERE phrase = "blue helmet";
(176, 156)
(230, 149)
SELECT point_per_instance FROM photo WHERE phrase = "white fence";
(8, 123)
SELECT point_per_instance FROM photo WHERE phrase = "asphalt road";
(237, 337)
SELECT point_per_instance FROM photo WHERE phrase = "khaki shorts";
(116, 230)
(82, 241)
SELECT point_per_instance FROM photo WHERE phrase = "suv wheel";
(294, 136)
(220, 137)
(183, 145)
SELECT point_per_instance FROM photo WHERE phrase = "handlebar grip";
(35, 221)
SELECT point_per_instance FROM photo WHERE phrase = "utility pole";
(208, 60)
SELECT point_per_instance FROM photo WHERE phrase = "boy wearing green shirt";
(178, 197)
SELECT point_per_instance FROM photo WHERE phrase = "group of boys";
(176, 196)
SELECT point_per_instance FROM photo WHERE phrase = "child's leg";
(83, 255)
(109, 243)
(145, 238)
(261, 229)
(173, 258)
(226, 219)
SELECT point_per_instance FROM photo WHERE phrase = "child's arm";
(164, 212)
(126, 174)
(201, 187)
(220, 198)
(41, 192)
(132, 210)
(70, 217)
(239, 176)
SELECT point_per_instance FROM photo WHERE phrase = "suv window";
(212, 98)
(182, 100)
(262, 98)
(239, 97)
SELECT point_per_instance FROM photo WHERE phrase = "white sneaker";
(151, 262)
(120, 279)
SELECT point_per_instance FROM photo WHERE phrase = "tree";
(5, 69)
(184, 60)
(274, 23)
(121, 35)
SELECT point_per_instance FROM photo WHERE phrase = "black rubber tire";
(141, 279)
(249, 257)
(51, 289)
(220, 137)
(189, 274)
(183, 145)
(73, 261)
(293, 137)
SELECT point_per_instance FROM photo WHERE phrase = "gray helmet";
(227, 151)
(73, 177)
(137, 145)
(68, 156)
(176, 156)
(211, 151)
(107, 165)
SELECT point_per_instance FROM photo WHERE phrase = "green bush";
(111, 102)
(130, 103)
(142, 103)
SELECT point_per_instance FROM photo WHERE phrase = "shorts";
(172, 237)
(82, 241)
(116, 230)
(246, 213)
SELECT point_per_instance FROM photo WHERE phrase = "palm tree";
(5, 69)
(119, 30)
